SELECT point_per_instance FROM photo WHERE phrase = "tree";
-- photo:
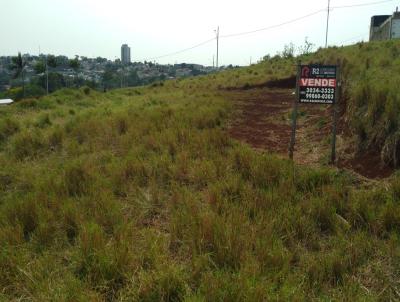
(43, 67)
(51, 81)
(18, 66)
(100, 60)
(266, 57)
(56, 81)
(40, 67)
(307, 48)
(288, 51)
(75, 65)
(4, 79)
(132, 79)
(51, 61)
(107, 79)
(62, 60)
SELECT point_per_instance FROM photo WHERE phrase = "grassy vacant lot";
(371, 98)
(140, 195)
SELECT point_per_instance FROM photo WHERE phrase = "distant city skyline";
(95, 28)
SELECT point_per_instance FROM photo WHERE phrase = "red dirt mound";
(263, 121)
(282, 83)
(368, 164)
(255, 125)
(286, 83)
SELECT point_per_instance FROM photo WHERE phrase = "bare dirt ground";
(263, 120)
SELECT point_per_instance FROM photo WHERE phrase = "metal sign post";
(294, 114)
(335, 116)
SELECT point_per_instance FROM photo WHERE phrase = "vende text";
(318, 82)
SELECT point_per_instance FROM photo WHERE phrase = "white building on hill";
(385, 27)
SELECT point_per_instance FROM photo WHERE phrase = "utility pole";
(327, 23)
(213, 61)
(47, 76)
(217, 32)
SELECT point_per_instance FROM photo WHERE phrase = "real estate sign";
(317, 84)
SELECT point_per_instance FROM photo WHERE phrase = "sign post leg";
(335, 116)
(333, 154)
(294, 114)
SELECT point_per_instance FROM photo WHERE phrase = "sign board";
(317, 84)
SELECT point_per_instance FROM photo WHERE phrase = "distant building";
(385, 27)
(125, 54)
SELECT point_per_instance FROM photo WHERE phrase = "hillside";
(370, 103)
(141, 194)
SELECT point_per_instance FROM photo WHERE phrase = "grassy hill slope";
(140, 195)
(370, 96)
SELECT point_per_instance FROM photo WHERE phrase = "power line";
(274, 26)
(237, 34)
(180, 51)
(304, 17)
(361, 4)
(270, 27)
(352, 39)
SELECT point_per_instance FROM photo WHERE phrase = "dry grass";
(140, 195)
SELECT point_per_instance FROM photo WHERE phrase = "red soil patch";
(368, 164)
(263, 122)
(287, 83)
(255, 125)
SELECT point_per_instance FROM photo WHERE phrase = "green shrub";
(121, 125)
(24, 213)
(168, 284)
(71, 220)
(390, 217)
(28, 145)
(28, 104)
(43, 121)
(102, 265)
(77, 180)
(8, 127)
(324, 215)
(309, 180)
(86, 90)
(56, 138)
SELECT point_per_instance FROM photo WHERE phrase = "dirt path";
(263, 121)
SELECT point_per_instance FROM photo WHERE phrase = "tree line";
(48, 78)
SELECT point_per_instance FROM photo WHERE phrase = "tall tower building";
(125, 54)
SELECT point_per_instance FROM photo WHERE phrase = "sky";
(154, 28)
